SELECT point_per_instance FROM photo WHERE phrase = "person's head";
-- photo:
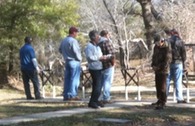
(156, 37)
(171, 32)
(158, 40)
(174, 32)
(73, 31)
(27, 39)
(167, 31)
(94, 36)
(105, 33)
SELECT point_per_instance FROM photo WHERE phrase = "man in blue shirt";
(94, 57)
(30, 69)
(71, 52)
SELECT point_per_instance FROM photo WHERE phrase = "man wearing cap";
(29, 68)
(71, 52)
(160, 63)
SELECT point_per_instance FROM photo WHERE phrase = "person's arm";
(168, 57)
(60, 48)
(35, 63)
(111, 52)
(77, 50)
(89, 52)
(153, 64)
(183, 56)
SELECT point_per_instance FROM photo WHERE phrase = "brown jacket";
(161, 58)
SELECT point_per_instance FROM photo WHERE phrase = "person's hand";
(185, 71)
(38, 70)
(102, 58)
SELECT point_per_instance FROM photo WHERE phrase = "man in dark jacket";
(177, 65)
(160, 63)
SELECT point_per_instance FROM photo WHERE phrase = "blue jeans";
(71, 79)
(176, 73)
(28, 75)
(107, 78)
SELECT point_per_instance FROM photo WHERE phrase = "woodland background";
(132, 24)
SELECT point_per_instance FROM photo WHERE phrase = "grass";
(137, 116)
(143, 115)
(12, 104)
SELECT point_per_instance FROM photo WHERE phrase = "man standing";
(160, 63)
(71, 52)
(177, 64)
(30, 69)
(94, 56)
(108, 65)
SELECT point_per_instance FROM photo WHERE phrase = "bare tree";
(115, 17)
(123, 19)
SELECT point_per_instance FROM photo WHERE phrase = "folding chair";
(46, 76)
(131, 75)
(85, 79)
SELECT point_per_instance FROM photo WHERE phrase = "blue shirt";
(93, 54)
(70, 49)
(27, 53)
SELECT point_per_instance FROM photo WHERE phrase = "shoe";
(76, 98)
(181, 101)
(155, 103)
(93, 105)
(106, 102)
(72, 99)
(100, 104)
(160, 107)
(39, 98)
(30, 98)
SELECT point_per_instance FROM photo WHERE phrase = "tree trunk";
(3, 75)
(147, 17)
(11, 59)
(116, 30)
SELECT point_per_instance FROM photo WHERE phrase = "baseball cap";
(73, 29)
(157, 38)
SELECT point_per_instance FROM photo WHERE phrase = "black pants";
(28, 75)
(96, 85)
(160, 83)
